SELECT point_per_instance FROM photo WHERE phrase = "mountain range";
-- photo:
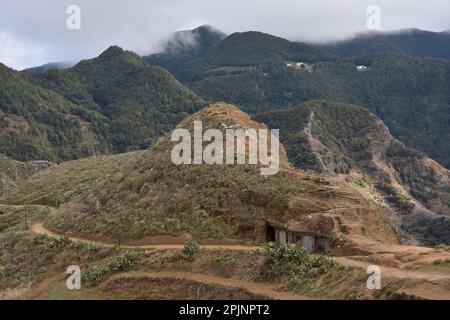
(410, 94)
(87, 177)
(379, 126)
(113, 103)
(411, 42)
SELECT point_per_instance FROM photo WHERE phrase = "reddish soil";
(265, 289)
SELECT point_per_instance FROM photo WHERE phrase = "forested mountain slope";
(113, 103)
(259, 72)
(413, 42)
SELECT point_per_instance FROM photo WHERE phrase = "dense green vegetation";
(301, 272)
(343, 130)
(291, 262)
(411, 95)
(113, 103)
(33, 120)
(121, 263)
(238, 49)
(116, 102)
(191, 249)
(140, 102)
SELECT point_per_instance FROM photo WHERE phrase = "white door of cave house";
(307, 243)
(282, 237)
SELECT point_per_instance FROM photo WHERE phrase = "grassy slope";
(13, 172)
(61, 183)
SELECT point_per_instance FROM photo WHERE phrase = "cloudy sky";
(33, 32)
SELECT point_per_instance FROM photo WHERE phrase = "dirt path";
(265, 289)
(40, 229)
(43, 286)
(393, 272)
(399, 256)
(395, 261)
(387, 271)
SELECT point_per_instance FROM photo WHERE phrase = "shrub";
(442, 246)
(40, 239)
(123, 262)
(94, 274)
(94, 247)
(79, 245)
(191, 248)
(289, 262)
(441, 262)
(56, 244)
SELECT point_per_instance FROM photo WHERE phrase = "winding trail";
(387, 271)
(260, 288)
(40, 229)
(403, 270)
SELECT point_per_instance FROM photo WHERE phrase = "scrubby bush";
(289, 262)
(442, 246)
(79, 245)
(94, 274)
(441, 262)
(191, 248)
(40, 239)
(123, 262)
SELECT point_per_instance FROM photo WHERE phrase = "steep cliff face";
(350, 143)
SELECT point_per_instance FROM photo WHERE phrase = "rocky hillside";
(257, 72)
(240, 49)
(113, 103)
(346, 140)
(146, 196)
